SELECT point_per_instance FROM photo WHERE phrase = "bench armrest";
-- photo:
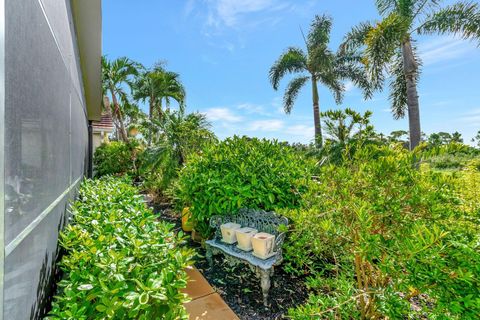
(279, 242)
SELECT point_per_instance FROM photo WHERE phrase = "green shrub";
(451, 156)
(120, 262)
(242, 172)
(378, 232)
(115, 158)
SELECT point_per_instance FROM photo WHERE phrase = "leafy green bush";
(451, 156)
(376, 234)
(242, 172)
(120, 262)
(115, 158)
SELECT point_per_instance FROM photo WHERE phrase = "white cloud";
(229, 12)
(266, 125)
(444, 49)
(301, 130)
(222, 114)
(251, 108)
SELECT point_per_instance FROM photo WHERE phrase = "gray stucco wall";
(44, 144)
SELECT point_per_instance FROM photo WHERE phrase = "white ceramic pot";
(228, 232)
(244, 238)
(263, 244)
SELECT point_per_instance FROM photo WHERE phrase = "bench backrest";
(261, 220)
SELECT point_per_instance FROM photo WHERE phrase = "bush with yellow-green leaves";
(120, 261)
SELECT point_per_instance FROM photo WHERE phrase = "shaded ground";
(239, 286)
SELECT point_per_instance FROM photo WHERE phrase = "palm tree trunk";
(316, 114)
(150, 117)
(123, 132)
(410, 68)
(150, 108)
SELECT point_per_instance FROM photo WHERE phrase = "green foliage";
(377, 235)
(116, 76)
(242, 172)
(318, 64)
(178, 135)
(120, 261)
(341, 126)
(335, 300)
(448, 155)
(116, 158)
(477, 139)
(158, 85)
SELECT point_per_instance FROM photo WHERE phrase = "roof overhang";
(87, 15)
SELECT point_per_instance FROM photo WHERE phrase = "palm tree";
(156, 85)
(388, 45)
(317, 64)
(178, 136)
(116, 75)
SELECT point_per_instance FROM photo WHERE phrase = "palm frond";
(319, 34)
(348, 66)
(382, 41)
(421, 7)
(334, 83)
(355, 38)
(291, 61)
(462, 19)
(398, 84)
(386, 7)
(292, 91)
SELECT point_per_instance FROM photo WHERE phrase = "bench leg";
(265, 283)
(209, 255)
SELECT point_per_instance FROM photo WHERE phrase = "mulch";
(239, 286)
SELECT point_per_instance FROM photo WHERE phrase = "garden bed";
(239, 286)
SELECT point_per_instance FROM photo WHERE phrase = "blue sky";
(223, 50)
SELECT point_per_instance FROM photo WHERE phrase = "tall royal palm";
(388, 45)
(116, 75)
(317, 64)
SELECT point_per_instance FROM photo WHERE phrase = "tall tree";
(388, 47)
(116, 76)
(317, 64)
(456, 137)
(157, 85)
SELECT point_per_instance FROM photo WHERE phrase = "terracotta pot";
(187, 222)
(244, 238)
(228, 232)
(263, 244)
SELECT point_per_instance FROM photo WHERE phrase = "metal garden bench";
(262, 221)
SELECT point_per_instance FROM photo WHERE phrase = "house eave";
(87, 15)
